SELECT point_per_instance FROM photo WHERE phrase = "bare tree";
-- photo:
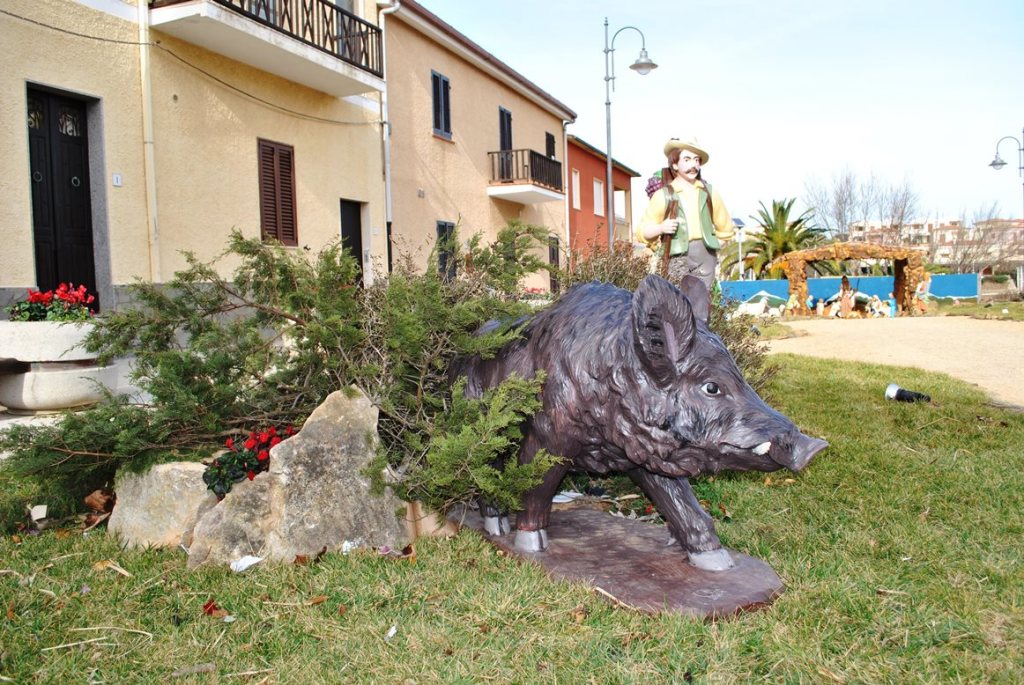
(974, 243)
(834, 204)
(896, 206)
(849, 200)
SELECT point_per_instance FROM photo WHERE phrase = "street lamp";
(998, 162)
(643, 65)
(740, 235)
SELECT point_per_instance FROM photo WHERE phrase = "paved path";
(984, 352)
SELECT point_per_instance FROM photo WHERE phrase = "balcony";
(525, 176)
(312, 42)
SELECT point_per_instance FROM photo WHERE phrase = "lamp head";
(643, 64)
(997, 163)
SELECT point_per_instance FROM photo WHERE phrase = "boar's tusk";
(762, 449)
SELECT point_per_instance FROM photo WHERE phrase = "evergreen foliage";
(217, 356)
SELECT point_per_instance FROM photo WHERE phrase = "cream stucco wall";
(107, 75)
(453, 175)
(204, 143)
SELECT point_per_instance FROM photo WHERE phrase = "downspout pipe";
(148, 156)
(566, 181)
(391, 8)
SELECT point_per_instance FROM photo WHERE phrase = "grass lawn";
(1014, 311)
(900, 547)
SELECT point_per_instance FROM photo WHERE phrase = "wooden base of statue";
(629, 563)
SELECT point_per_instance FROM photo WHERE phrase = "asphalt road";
(986, 353)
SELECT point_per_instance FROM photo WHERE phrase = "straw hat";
(690, 144)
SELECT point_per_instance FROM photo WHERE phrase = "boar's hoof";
(497, 525)
(531, 540)
(715, 560)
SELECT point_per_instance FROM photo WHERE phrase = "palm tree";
(780, 235)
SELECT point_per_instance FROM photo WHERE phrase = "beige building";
(473, 144)
(135, 130)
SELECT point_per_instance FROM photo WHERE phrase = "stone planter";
(44, 367)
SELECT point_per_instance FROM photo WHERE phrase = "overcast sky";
(781, 92)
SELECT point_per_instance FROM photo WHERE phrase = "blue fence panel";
(956, 285)
(742, 290)
(949, 285)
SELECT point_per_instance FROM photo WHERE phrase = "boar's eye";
(710, 388)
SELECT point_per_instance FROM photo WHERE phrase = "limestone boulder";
(159, 508)
(314, 495)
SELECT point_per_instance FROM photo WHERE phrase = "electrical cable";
(251, 96)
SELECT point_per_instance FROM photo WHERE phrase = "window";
(446, 250)
(442, 105)
(549, 145)
(598, 197)
(554, 259)
(575, 188)
(619, 197)
(277, 192)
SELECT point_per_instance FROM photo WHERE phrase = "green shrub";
(621, 266)
(219, 356)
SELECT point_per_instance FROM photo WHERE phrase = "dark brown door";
(505, 143)
(61, 209)
(352, 233)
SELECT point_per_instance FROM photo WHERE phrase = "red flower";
(262, 456)
(230, 444)
(289, 431)
(272, 431)
(250, 444)
(265, 437)
(250, 475)
(274, 441)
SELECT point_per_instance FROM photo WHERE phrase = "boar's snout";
(800, 454)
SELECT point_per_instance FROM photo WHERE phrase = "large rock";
(159, 508)
(314, 496)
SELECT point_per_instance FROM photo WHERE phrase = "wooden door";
(61, 206)
(352, 232)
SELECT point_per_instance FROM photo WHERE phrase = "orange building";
(588, 218)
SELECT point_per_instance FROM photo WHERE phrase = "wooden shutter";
(441, 94)
(277, 192)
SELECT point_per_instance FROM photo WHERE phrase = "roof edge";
(615, 163)
(421, 18)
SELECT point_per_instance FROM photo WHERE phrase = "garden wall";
(948, 285)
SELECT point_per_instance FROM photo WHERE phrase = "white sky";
(784, 91)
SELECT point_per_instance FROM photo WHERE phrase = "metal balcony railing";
(318, 23)
(525, 166)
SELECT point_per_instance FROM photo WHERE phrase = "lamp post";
(997, 163)
(643, 65)
(740, 235)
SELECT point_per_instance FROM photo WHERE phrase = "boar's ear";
(663, 327)
(697, 293)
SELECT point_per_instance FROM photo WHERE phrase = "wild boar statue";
(637, 383)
